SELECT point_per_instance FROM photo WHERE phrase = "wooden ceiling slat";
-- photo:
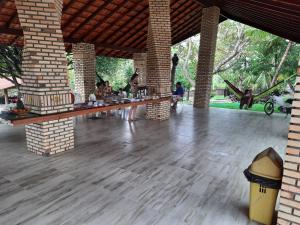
(5, 30)
(143, 31)
(192, 22)
(11, 19)
(66, 7)
(280, 23)
(258, 9)
(112, 36)
(137, 43)
(88, 19)
(68, 22)
(100, 22)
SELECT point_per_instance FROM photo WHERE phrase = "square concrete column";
(45, 86)
(159, 57)
(208, 40)
(84, 59)
(289, 208)
(140, 63)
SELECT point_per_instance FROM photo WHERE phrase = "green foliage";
(235, 105)
(115, 70)
(254, 67)
(10, 63)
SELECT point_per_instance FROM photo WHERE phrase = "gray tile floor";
(187, 170)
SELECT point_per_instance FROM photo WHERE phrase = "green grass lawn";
(236, 105)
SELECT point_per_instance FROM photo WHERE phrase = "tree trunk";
(6, 96)
(173, 72)
(283, 58)
(186, 64)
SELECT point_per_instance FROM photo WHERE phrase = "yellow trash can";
(264, 174)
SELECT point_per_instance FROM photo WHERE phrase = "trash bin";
(264, 174)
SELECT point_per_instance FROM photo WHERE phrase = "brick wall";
(140, 63)
(45, 86)
(289, 209)
(85, 69)
(50, 137)
(159, 57)
(208, 40)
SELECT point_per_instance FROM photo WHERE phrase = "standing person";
(134, 90)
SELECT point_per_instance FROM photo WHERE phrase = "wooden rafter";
(11, 19)
(100, 22)
(66, 7)
(142, 37)
(11, 31)
(82, 9)
(106, 45)
(112, 36)
(89, 18)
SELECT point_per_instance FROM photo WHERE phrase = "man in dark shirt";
(179, 90)
(177, 95)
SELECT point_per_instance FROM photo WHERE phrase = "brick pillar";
(140, 63)
(159, 57)
(45, 86)
(208, 40)
(289, 208)
(84, 58)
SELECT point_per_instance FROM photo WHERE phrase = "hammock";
(239, 94)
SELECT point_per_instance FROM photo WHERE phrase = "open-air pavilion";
(155, 171)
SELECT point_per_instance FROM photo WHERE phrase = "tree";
(232, 40)
(10, 63)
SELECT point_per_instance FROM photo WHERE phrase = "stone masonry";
(84, 58)
(45, 86)
(208, 40)
(289, 208)
(140, 63)
(159, 57)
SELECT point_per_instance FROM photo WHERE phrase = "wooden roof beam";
(100, 22)
(112, 36)
(65, 7)
(174, 13)
(70, 20)
(108, 46)
(11, 31)
(87, 20)
(11, 19)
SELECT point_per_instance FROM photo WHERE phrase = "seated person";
(177, 95)
(247, 99)
(99, 90)
(107, 89)
(122, 93)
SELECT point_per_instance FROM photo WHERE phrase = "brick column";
(289, 208)
(84, 58)
(159, 57)
(45, 86)
(140, 63)
(208, 40)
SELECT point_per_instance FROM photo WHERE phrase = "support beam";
(84, 58)
(288, 212)
(208, 41)
(159, 57)
(140, 63)
(45, 87)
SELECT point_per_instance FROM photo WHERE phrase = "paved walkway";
(187, 170)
